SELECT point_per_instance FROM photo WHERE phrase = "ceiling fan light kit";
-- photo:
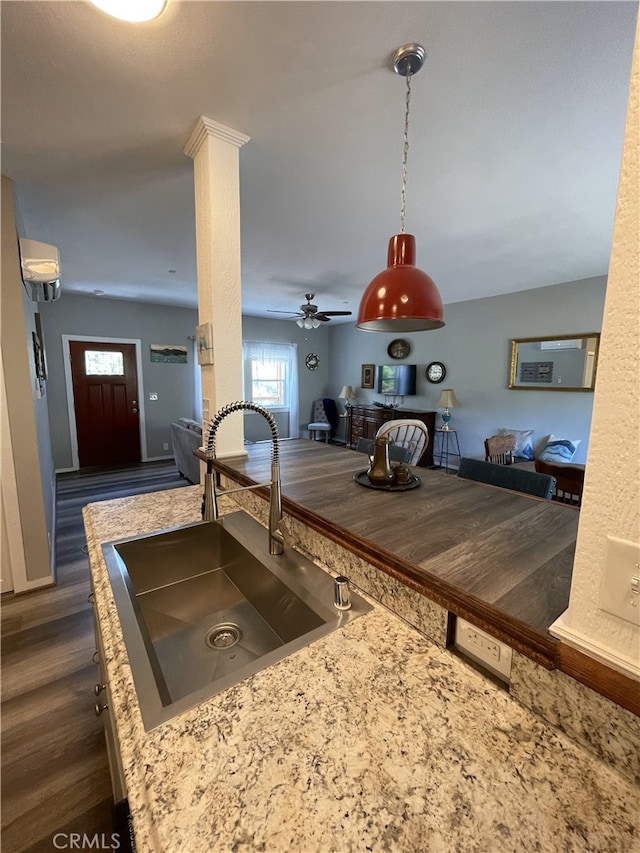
(307, 323)
(402, 298)
(308, 316)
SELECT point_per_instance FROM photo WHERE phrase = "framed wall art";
(204, 343)
(168, 353)
(368, 375)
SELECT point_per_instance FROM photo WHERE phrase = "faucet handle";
(283, 534)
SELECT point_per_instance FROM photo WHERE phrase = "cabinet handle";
(98, 688)
(95, 657)
(91, 597)
(100, 708)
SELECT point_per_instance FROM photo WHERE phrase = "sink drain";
(223, 636)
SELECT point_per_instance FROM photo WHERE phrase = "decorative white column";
(214, 149)
(611, 488)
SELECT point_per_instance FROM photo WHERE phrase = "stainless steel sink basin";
(205, 606)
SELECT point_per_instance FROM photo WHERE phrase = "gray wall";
(73, 314)
(475, 346)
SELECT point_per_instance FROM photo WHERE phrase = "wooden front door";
(105, 390)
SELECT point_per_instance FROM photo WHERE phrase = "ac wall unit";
(574, 343)
(40, 263)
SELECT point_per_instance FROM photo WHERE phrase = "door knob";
(134, 411)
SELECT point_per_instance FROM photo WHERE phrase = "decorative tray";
(363, 480)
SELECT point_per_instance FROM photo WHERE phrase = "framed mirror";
(563, 363)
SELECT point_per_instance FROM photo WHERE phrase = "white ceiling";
(515, 139)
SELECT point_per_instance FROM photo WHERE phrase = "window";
(268, 380)
(103, 363)
(270, 376)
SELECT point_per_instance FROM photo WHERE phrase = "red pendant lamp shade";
(401, 298)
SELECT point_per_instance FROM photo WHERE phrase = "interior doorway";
(104, 390)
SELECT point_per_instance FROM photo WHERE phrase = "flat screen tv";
(398, 379)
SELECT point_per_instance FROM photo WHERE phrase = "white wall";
(611, 501)
(475, 347)
(28, 490)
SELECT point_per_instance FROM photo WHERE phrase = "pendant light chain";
(405, 153)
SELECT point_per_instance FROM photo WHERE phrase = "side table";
(445, 445)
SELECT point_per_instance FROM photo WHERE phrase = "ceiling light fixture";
(402, 298)
(308, 323)
(134, 11)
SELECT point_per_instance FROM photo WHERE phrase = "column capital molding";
(206, 128)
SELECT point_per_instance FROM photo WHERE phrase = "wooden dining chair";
(409, 433)
(500, 449)
(569, 481)
(396, 453)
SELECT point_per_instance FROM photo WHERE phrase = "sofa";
(186, 436)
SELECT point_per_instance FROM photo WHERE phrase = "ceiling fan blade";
(321, 316)
(336, 313)
(291, 313)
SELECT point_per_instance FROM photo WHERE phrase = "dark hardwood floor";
(55, 776)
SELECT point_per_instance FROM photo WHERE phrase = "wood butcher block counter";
(499, 557)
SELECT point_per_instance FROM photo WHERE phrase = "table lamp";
(447, 401)
(347, 394)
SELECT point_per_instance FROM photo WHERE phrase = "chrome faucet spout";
(210, 501)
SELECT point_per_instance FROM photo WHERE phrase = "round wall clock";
(399, 348)
(312, 361)
(436, 371)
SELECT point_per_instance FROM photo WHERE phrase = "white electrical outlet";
(153, 395)
(165, 445)
(483, 648)
(620, 584)
(206, 410)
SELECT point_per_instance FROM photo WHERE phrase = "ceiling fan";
(309, 317)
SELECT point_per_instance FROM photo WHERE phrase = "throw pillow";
(524, 442)
(559, 449)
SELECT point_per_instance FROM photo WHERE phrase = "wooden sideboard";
(364, 422)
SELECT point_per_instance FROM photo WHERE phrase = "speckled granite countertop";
(371, 738)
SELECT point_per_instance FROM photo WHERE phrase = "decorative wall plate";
(312, 361)
(399, 348)
(436, 372)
